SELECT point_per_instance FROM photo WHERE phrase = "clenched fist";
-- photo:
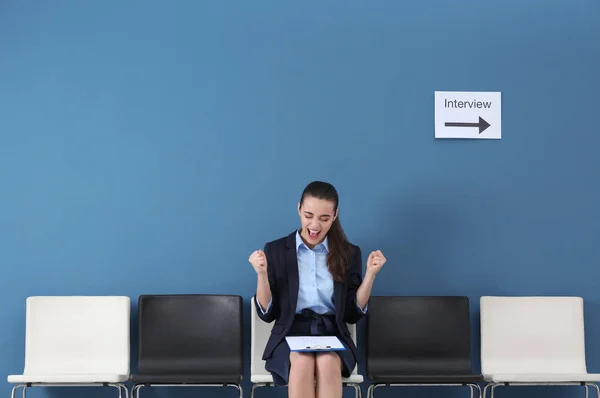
(375, 262)
(258, 259)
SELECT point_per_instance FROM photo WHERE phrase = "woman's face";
(316, 217)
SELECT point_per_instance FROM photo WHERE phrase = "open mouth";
(313, 234)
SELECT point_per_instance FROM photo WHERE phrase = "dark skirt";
(308, 323)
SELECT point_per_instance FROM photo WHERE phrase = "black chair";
(419, 341)
(189, 340)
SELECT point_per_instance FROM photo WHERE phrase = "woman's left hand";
(375, 262)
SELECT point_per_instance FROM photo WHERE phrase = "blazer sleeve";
(272, 311)
(353, 313)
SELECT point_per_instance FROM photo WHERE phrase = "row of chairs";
(197, 340)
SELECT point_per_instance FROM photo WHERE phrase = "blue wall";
(149, 147)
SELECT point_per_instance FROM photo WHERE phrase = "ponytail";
(338, 259)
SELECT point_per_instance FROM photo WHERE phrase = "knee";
(329, 365)
(302, 362)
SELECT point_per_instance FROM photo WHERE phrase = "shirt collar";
(300, 242)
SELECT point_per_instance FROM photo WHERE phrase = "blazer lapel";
(291, 260)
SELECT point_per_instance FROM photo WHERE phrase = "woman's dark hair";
(339, 255)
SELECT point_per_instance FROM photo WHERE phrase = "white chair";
(260, 377)
(533, 341)
(75, 341)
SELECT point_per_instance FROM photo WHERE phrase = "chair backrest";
(77, 335)
(259, 335)
(260, 332)
(532, 335)
(418, 335)
(194, 334)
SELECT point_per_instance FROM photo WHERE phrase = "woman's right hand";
(258, 259)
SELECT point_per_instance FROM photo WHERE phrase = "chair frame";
(135, 390)
(473, 387)
(120, 386)
(491, 385)
(356, 386)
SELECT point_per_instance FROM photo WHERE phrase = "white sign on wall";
(464, 114)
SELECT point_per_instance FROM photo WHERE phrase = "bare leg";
(302, 375)
(329, 375)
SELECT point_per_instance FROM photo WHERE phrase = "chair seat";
(427, 379)
(185, 379)
(543, 378)
(269, 379)
(67, 378)
(353, 379)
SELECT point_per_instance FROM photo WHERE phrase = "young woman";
(310, 283)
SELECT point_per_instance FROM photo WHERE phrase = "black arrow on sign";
(482, 124)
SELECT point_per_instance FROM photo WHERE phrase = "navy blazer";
(282, 273)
